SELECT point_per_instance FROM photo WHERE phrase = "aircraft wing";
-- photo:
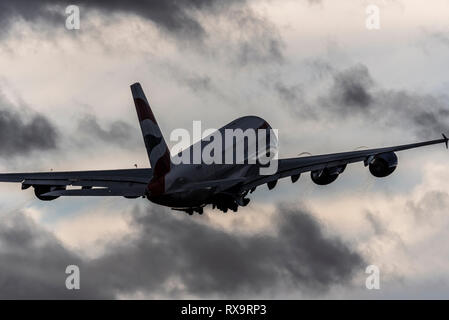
(293, 167)
(124, 182)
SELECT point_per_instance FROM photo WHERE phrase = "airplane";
(191, 187)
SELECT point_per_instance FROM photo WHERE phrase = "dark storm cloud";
(21, 133)
(208, 260)
(30, 11)
(33, 263)
(354, 93)
(172, 248)
(351, 88)
(257, 39)
(292, 97)
(174, 16)
(117, 132)
(427, 115)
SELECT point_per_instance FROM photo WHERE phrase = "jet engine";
(383, 164)
(327, 175)
(39, 190)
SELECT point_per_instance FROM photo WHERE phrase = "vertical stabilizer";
(157, 149)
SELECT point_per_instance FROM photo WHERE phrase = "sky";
(312, 69)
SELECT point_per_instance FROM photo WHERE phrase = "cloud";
(208, 261)
(354, 93)
(375, 222)
(291, 95)
(440, 36)
(425, 114)
(174, 16)
(259, 40)
(294, 98)
(33, 262)
(118, 132)
(428, 208)
(351, 88)
(174, 255)
(22, 133)
(199, 83)
(228, 30)
(30, 11)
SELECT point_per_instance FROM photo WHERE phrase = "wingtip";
(446, 140)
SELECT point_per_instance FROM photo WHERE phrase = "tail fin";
(157, 149)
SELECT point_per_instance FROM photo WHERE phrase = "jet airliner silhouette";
(190, 187)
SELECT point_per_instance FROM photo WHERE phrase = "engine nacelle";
(326, 175)
(383, 164)
(39, 190)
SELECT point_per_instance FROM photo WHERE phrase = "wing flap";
(135, 191)
(52, 182)
(120, 175)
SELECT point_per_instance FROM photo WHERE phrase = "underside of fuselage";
(221, 201)
(220, 196)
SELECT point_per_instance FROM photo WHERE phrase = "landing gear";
(222, 201)
(225, 202)
(191, 211)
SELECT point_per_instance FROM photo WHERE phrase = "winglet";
(446, 140)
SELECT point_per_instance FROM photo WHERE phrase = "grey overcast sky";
(312, 69)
